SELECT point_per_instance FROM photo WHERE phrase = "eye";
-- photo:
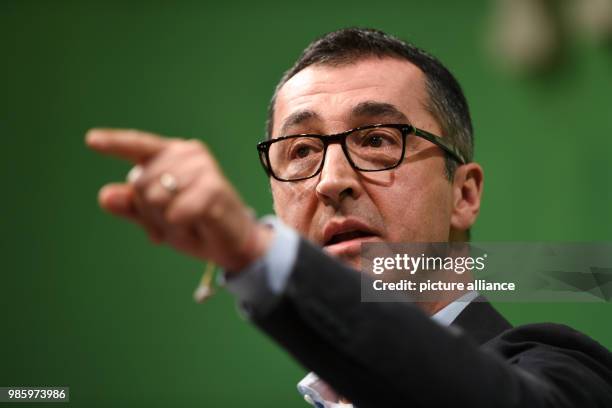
(302, 151)
(303, 148)
(379, 139)
(373, 141)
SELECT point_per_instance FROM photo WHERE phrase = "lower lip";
(351, 247)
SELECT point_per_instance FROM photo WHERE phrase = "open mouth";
(347, 236)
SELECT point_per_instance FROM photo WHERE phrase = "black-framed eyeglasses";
(367, 148)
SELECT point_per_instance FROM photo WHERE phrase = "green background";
(88, 302)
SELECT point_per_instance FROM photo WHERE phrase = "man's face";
(341, 207)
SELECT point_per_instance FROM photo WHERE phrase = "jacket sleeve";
(392, 355)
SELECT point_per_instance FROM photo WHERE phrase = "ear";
(467, 190)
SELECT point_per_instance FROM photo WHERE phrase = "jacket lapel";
(481, 321)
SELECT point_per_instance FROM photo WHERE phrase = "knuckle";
(214, 187)
(199, 144)
(182, 211)
(196, 146)
(145, 182)
(175, 145)
(155, 196)
(140, 184)
(213, 208)
(196, 143)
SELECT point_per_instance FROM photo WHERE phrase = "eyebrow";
(373, 108)
(362, 109)
(297, 118)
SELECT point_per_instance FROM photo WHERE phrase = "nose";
(338, 180)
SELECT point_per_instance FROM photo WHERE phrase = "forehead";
(333, 92)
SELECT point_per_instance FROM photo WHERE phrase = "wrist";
(257, 242)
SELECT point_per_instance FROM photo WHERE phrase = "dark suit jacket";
(393, 355)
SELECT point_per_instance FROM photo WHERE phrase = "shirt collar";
(447, 315)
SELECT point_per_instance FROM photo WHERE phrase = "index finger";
(132, 145)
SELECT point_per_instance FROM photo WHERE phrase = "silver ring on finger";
(169, 183)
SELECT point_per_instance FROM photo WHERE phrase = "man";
(388, 159)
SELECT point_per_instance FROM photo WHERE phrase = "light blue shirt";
(264, 280)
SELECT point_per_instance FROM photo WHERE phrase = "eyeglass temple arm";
(450, 148)
(263, 157)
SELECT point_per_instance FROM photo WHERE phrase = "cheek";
(416, 211)
(294, 203)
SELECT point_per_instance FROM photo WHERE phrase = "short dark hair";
(446, 102)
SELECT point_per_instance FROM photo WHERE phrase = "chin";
(353, 261)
